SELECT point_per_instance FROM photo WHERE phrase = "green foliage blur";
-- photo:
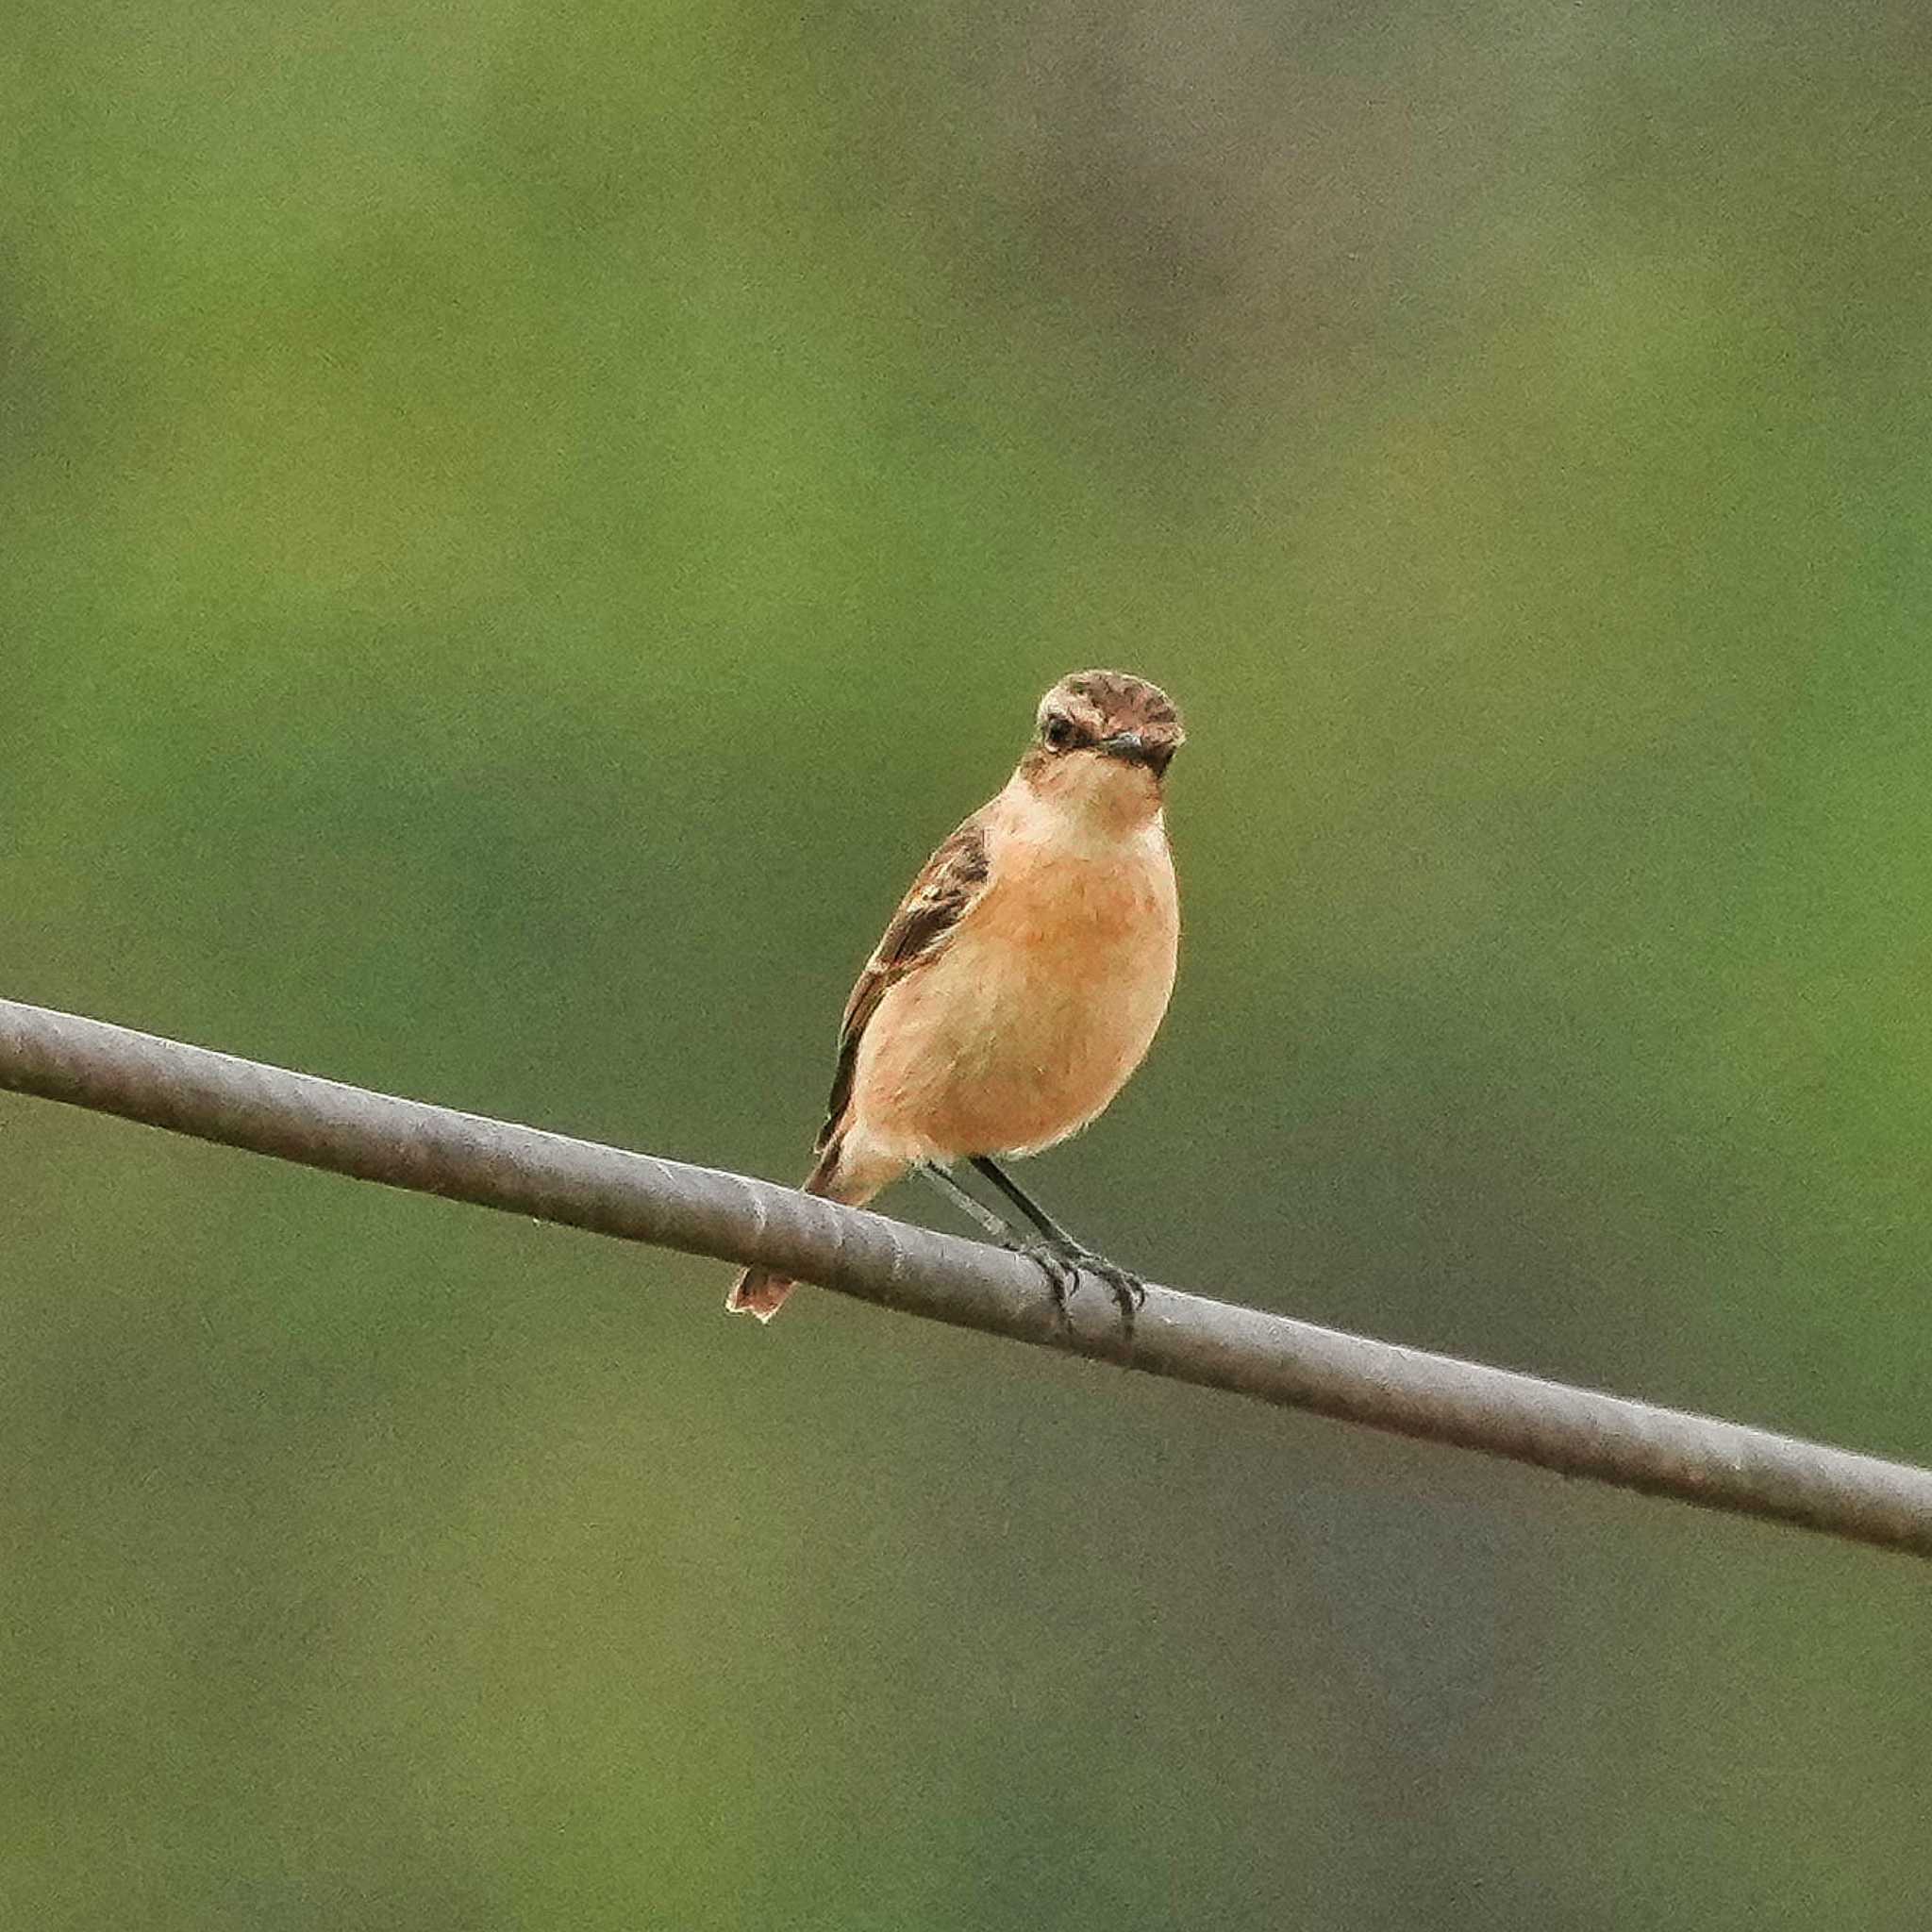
(518, 528)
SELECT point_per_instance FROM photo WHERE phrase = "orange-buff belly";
(1032, 1018)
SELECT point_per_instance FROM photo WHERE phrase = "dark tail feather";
(760, 1291)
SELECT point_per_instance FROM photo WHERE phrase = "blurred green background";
(518, 528)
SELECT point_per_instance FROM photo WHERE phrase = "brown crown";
(1111, 701)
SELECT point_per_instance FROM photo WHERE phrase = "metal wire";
(406, 1144)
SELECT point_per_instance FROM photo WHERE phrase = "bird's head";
(1102, 744)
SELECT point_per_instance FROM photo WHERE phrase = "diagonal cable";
(433, 1150)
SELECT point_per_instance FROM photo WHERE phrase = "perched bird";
(1020, 981)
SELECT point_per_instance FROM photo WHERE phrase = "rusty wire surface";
(492, 1163)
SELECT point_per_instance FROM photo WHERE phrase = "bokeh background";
(523, 524)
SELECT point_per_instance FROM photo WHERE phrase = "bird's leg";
(1042, 1220)
(975, 1208)
(1055, 1255)
(1127, 1289)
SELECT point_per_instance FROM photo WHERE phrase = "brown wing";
(953, 877)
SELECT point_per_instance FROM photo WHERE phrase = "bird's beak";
(1125, 745)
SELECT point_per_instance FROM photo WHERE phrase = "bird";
(1019, 983)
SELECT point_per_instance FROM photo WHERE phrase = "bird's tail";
(761, 1293)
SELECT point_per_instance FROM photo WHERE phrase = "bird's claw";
(1062, 1263)
(1062, 1274)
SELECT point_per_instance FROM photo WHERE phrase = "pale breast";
(1037, 1010)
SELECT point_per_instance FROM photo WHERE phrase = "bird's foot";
(1063, 1262)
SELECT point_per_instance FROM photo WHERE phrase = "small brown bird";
(1020, 981)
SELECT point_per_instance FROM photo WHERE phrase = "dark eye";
(1059, 731)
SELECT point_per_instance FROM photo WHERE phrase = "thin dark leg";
(1021, 1199)
(1055, 1256)
(1126, 1288)
(974, 1208)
